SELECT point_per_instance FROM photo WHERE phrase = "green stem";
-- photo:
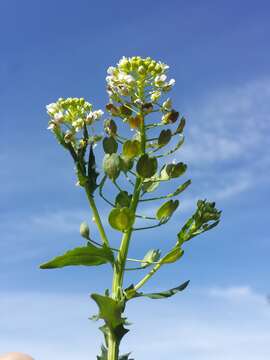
(96, 216)
(113, 348)
(148, 276)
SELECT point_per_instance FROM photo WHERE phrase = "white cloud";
(202, 324)
(230, 124)
(227, 135)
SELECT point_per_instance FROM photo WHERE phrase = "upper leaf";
(88, 256)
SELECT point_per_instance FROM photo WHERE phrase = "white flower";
(155, 96)
(98, 114)
(129, 79)
(51, 126)
(51, 108)
(123, 61)
(160, 80)
(171, 82)
(110, 70)
(58, 117)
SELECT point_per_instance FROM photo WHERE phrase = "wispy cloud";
(227, 134)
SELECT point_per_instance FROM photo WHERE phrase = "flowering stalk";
(137, 88)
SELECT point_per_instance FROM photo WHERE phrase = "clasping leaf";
(89, 255)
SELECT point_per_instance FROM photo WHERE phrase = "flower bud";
(84, 230)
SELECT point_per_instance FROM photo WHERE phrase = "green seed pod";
(181, 126)
(125, 111)
(112, 109)
(123, 199)
(164, 137)
(121, 219)
(146, 166)
(167, 209)
(110, 145)
(175, 170)
(170, 117)
(111, 166)
(110, 127)
(131, 148)
(147, 108)
(84, 230)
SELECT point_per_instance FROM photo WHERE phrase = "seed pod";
(110, 145)
(111, 165)
(147, 108)
(112, 109)
(146, 166)
(170, 117)
(126, 163)
(167, 209)
(181, 126)
(123, 199)
(135, 122)
(121, 219)
(110, 127)
(175, 170)
(131, 148)
(125, 111)
(164, 137)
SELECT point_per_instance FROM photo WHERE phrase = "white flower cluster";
(131, 74)
(74, 113)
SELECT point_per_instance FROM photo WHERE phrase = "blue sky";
(219, 56)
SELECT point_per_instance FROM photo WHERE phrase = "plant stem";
(148, 276)
(113, 348)
(96, 216)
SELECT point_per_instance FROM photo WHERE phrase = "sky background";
(218, 54)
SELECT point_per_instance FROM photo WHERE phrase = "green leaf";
(104, 353)
(175, 254)
(111, 166)
(121, 219)
(167, 293)
(146, 166)
(110, 145)
(92, 173)
(150, 257)
(131, 148)
(111, 312)
(87, 256)
(164, 137)
(123, 199)
(130, 292)
(167, 209)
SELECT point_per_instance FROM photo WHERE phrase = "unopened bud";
(84, 230)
